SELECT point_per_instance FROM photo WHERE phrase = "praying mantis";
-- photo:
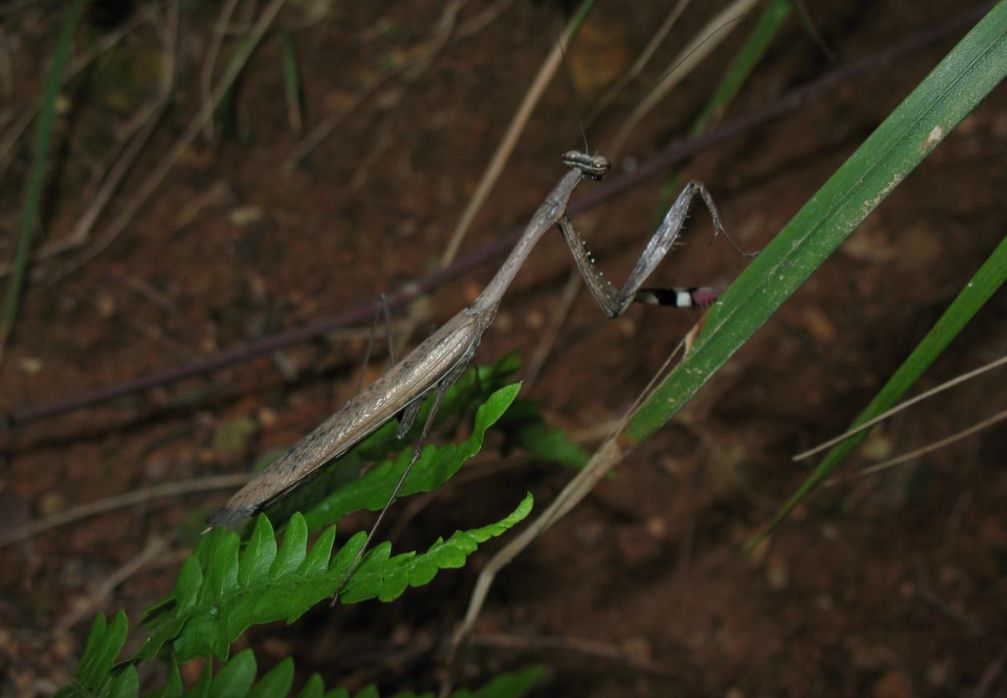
(438, 362)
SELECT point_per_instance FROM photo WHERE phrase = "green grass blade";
(745, 60)
(291, 82)
(741, 66)
(987, 280)
(952, 90)
(36, 177)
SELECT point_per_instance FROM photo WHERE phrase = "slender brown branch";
(206, 74)
(85, 607)
(902, 406)
(158, 174)
(167, 489)
(560, 643)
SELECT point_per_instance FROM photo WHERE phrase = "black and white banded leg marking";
(615, 301)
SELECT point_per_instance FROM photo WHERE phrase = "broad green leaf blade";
(235, 678)
(277, 682)
(103, 645)
(973, 68)
(315, 688)
(293, 550)
(94, 674)
(983, 284)
(126, 684)
(744, 62)
(259, 553)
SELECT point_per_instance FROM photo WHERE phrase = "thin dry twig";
(556, 320)
(78, 64)
(816, 36)
(672, 154)
(12, 136)
(109, 40)
(902, 406)
(929, 448)
(705, 41)
(991, 674)
(381, 145)
(84, 608)
(482, 20)
(167, 489)
(608, 455)
(216, 42)
(585, 646)
(641, 61)
(969, 622)
(422, 56)
(154, 179)
(604, 459)
(505, 148)
(135, 136)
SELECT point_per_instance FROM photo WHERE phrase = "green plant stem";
(36, 178)
(984, 283)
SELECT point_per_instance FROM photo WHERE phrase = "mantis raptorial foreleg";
(614, 302)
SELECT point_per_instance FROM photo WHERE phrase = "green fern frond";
(385, 578)
(236, 679)
(226, 586)
(94, 674)
(222, 590)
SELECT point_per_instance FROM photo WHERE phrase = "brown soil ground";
(892, 585)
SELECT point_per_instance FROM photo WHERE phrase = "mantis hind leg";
(382, 312)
